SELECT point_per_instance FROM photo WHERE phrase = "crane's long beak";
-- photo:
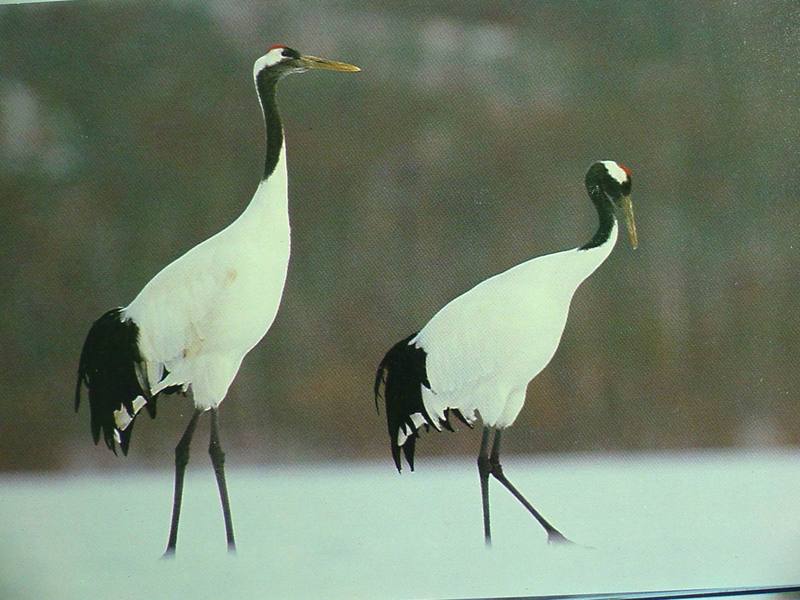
(314, 62)
(630, 222)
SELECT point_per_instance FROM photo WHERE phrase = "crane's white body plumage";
(522, 314)
(205, 311)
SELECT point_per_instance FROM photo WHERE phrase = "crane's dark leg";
(484, 468)
(181, 460)
(553, 535)
(218, 460)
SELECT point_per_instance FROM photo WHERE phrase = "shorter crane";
(477, 355)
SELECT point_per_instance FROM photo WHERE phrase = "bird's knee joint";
(495, 466)
(181, 456)
(217, 455)
(484, 465)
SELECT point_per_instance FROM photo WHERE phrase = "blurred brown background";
(130, 132)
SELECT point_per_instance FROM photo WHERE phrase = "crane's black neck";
(605, 211)
(266, 83)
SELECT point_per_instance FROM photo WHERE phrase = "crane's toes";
(555, 537)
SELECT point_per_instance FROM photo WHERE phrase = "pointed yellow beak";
(630, 222)
(314, 62)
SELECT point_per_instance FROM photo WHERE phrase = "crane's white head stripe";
(615, 171)
(271, 58)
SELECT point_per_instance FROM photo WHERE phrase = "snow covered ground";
(363, 531)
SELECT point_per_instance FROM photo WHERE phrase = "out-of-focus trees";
(128, 133)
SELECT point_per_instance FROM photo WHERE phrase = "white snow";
(354, 530)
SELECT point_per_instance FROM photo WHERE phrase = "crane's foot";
(557, 538)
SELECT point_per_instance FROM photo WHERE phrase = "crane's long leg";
(181, 460)
(484, 468)
(553, 535)
(218, 460)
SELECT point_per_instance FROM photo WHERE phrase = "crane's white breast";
(486, 345)
(207, 309)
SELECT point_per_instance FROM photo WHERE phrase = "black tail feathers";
(108, 367)
(402, 374)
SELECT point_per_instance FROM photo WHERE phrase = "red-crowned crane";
(480, 351)
(193, 323)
